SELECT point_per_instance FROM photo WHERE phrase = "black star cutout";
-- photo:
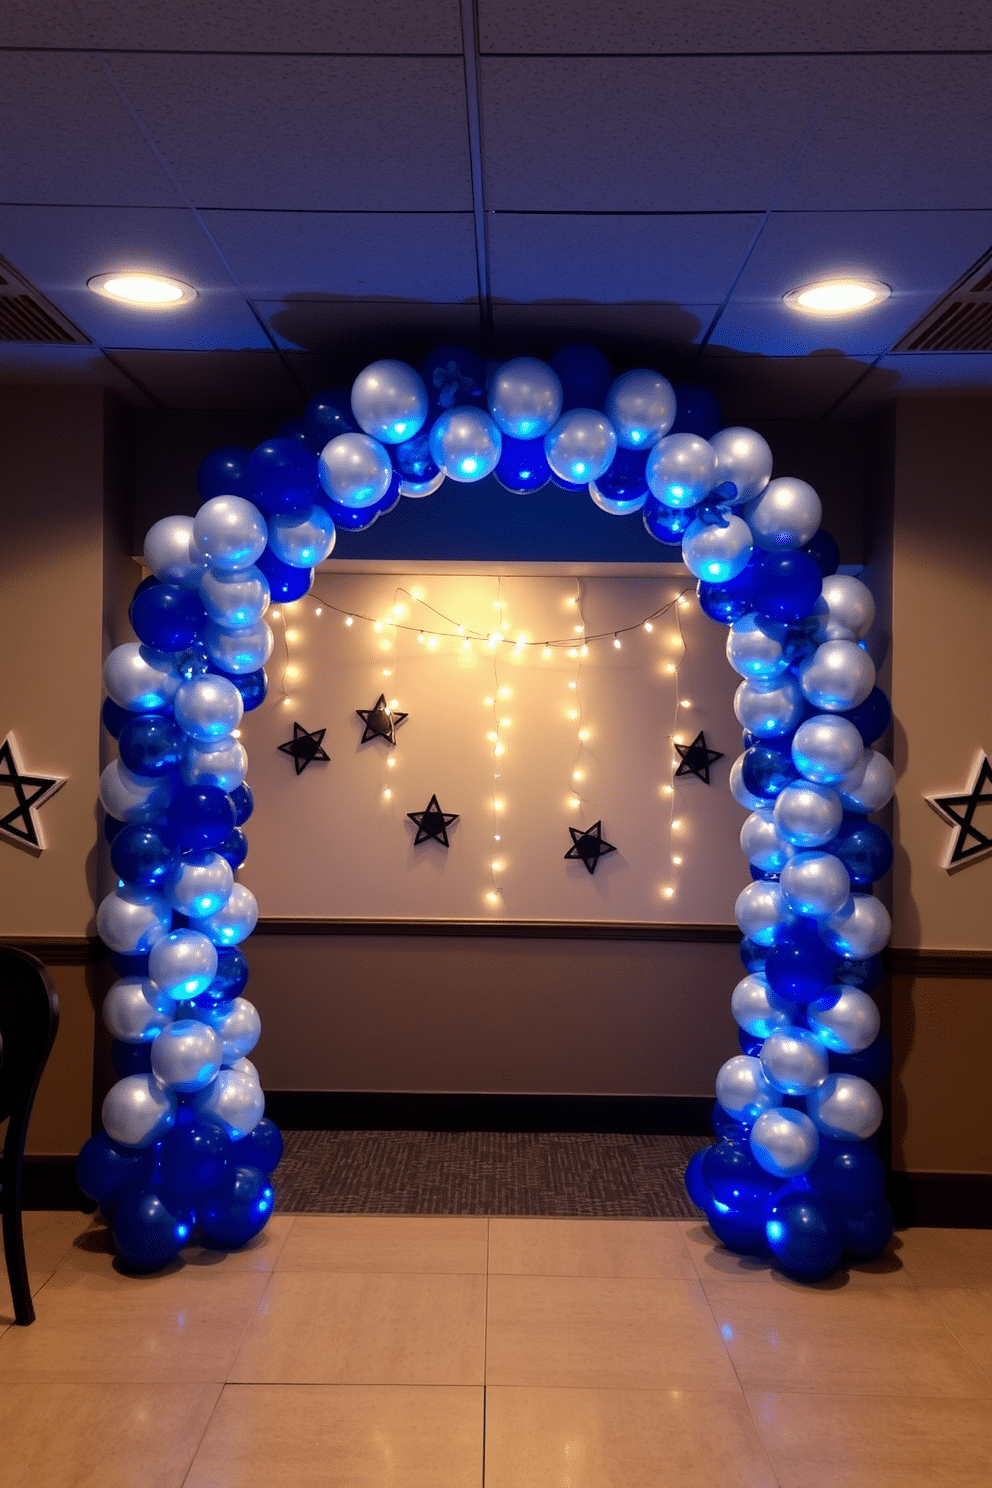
(305, 747)
(960, 810)
(590, 846)
(380, 721)
(696, 758)
(20, 825)
(432, 823)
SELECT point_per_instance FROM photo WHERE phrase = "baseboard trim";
(50, 1183)
(351, 1110)
(942, 1200)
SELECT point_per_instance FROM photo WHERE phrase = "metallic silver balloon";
(762, 843)
(239, 651)
(132, 798)
(785, 1142)
(861, 929)
(827, 748)
(389, 401)
(135, 1010)
(223, 763)
(739, 790)
(303, 541)
(837, 676)
(744, 459)
(846, 1106)
(230, 532)
(170, 552)
(716, 552)
(873, 790)
(785, 516)
(753, 1010)
(525, 398)
(137, 1112)
(422, 488)
(235, 599)
(769, 709)
(580, 446)
(201, 884)
(466, 444)
(641, 407)
(617, 506)
(759, 911)
(815, 884)
(355, 470)
(681, 470)
(132, 920)
(139, 678)
(850, 607)
(754, 649)
(207, 708)
(794, 1061)
(186, 1056)
(744, 1090)
(245, 1067)
(234, 922)
(808, 815)
(183, 964)
(239, 1030)
(233, 1101)
(846, 1020)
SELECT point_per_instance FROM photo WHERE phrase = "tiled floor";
(421, 1352)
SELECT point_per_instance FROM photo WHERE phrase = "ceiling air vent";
(961, 320)
(25, 315)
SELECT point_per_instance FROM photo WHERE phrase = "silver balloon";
(170, 552)
(739, 790)
(837, 676)
(753, 1010)
(769, 709)
(201, 884)
(235, 599)
(873, 790)
(850, 607)
(137, 1112)
(808, 815)
(827, 748)
(139, 678)
(233, 1101)
(132, 798)
(580, 446)
(754, 649)
(186, 1056)
(846, 1020)
(355, 470)
(743, 1089)
(641, 407)
(466, 444)
(785, 516)
(245, 1067)
(207, 708)
(846, 1106)
(183, 964)
(132, 920)
(815, 884)
(525, 398)
(716, 552)
(234, 922)
(759, 911)
(785, 1142)
(794, 1061)
(239, 1029)
(422, 488)
(617, 506)
(389, 401)
(135, 1010)
(762, 843)
(861, 929)
(239, 651)
(303, 541)
(223, 763)
(744, 459)
(681, 470)
(230, 532)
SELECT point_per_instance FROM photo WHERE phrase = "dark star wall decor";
(305, 746)
(432, 823)
(969, 843)
(380, 721)
(696, 758)
(19, 824)
(589, 845)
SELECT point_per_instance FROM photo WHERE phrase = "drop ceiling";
(341, 181)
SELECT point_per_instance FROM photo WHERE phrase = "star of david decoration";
(305, 746)
(970, 843)
(589, 845)
(433, 823)
(380, 721)
(696, 758)
(20, 824)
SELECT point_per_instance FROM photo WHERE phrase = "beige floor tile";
(344, 1242)
(589, 1247)
(345, 1327)
(95, 1251)
(622, 1439)
(939, 1258)
(48, 1242)
(714, 1262)
(342, 1436)
(603, 1333)
(824, 1441)
(101, 1436)
(967, 1311)
(839, 1341)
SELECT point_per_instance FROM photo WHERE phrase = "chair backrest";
(29, 1020)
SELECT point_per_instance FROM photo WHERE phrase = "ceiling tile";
(61, 364)
(772, 328)
(412, 255)
(222, 379)
(308, 133)
(919, 373)
(643, 134)
(681, 257)
(757, 387)
(652, 333)
(900, 132)
(68, 138)
(218, 319)
(345, 329)
(62, 247)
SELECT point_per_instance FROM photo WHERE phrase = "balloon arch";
(186, 1152)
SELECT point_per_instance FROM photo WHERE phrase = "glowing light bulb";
(546, 654)
(571, 600)
(685, 703)
(287, 702)
(668, 893)
(677, 861)
(616, 643)
(488, 702)
(505, 692)
(292, 671)
(499, 749)
(432, 643)
(504, 722)
(648, 626)
(466, 645)
(492, 898)
(391, 762)
(576, 774)
(574, 802)
(291, 635)
(377, 627)
(387, 793)
(677, 825)
(583, 734)
(459, 630)
(497, 837)
(667, 790)
(386, 672)
(578, 629)
(420, 639)
(670, 667)
(584, 651)
(572, 652)
(275, 614)
(235, 733)
(399, 610)
(573, 685)
(573, 715)
(497, 865)
(349, 620)
(492, 736)
(319, 610)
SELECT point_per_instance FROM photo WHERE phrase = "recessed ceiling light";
(837, 296)
(150, 291)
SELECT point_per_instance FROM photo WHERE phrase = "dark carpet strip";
(577, 1175)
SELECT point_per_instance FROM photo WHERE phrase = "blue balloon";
(412, 460)
(749, 1044)
(848, 1173)
(733, 1177)
(151, 744)
(585, 375)
(864, 848)
(234, 848)
(522, 466)
(741, 1230)
(872, 717)
(252, 686)
(127, 965)
(262, 1148)
(193, 1158)
(867, 1231)
(140, 856)
(244, 804)
(872, 1064)
(694, 1185)
(697, 411)
(666, 524)
(866, 973)
(130, 1059)
(753, 955)
(286, 583)
(293, 429)
(106, 1173)
(725, 1125)
(804, 1234)
(358, 518)
(224, 472)
(824, 552)
(731, 600)
(625, 480)
(327, 415)
(111, 827)
(453, 376)
(787, 585)
(282, 475)
(148, 1236)
(230, 979)
(114, 717)
(237, 1212)
(166, 616)
(199, 817)
(799, 966)
(767, 768)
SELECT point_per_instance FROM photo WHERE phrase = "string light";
(349, 620)
(616, 643)
(319, 610)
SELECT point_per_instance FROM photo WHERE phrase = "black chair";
(29, 1021)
